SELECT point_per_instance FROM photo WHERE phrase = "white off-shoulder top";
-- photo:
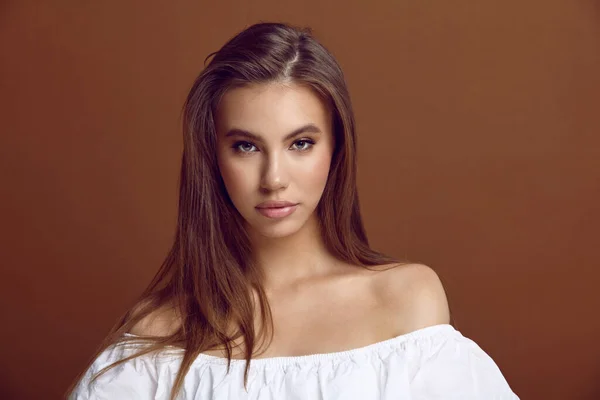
(436, 362)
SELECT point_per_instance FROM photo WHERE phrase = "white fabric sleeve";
(457, 368)
(134, 379)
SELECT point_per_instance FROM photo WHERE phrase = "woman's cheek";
(318, 172)
(238, 181)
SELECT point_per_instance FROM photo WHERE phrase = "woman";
(271, 290)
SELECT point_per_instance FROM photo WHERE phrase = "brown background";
(479, 156)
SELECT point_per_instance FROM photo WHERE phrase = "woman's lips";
(277, 212)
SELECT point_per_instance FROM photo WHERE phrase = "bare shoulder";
(162, 321)
(414, 295)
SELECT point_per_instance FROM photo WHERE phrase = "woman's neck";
(293, 258)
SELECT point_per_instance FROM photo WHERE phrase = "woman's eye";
(243, 147)
(306, 144)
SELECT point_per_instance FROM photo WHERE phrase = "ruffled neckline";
(428, 331)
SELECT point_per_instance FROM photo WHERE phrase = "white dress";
(436, 362)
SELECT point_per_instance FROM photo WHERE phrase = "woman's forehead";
(280, 106)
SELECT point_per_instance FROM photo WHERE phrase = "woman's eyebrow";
(308, 128)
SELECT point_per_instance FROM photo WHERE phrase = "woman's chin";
(275, 231)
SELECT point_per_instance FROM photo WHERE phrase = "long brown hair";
(208, 274)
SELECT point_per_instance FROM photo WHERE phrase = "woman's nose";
(274, 175)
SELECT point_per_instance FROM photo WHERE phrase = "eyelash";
(236, 145)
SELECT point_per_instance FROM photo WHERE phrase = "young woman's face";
(260, 160)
